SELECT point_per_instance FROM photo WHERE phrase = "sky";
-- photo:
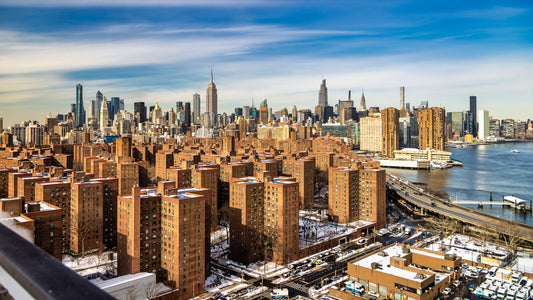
(441, 51)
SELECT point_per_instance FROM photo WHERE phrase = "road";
(415, 196)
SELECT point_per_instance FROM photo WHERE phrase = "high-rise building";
(172, 241)
(494, 127)
(157, 114)
(114, 108)
(86, 217)
(323, 94)
(80, 111)
(187, 112)
(362, 105)
(391, 136)
(473, 113)
(139, 110)
(371, 133)
(357, 194)
(402, 97)
(104, 115)
(483, 121)
(1, 125)
(196, 107)
(303, 170)
(211, 99)
(432, 128)
(99, 100)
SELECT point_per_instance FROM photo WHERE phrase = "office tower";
(171, 116)
(139, 111)
(473, 113)
(99, 100)
(114, 108)
(371, 134)
(34, 135)
(263, 115)
(179, 105)
(246, 112)
(92, 109)
(294, 113)
(80, 112)
(211, 99)
(121, 104)
(1, 125)
(362, 105)
(432, 128)
(187, 111)
(157, 114)
(238, 111)
(494, 127)
(458, 120)
(483, 121)
(391, 137)
(402, 97)
(357, 194)
(104, 115)
(323, 94)
(196, 107)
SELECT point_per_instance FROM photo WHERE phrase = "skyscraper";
(323, 94)
(115, 107)
(362, 105)
(99, 99)
(473, 113)
(140, 108)
(402, 97)
(80, 112)
(483, 119)
(104, 115)
(187, 111)
(196, 107)
(211, 99)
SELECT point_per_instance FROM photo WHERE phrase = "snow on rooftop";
(431, 254)
(385, 265)
(123, 279)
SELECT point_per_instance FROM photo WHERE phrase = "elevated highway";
(417, 197)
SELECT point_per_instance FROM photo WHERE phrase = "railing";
(28, 272)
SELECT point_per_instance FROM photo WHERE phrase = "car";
(472, 287)
(457, 283)
(251, 288)
(373, 294)
(318, 262)
(217, 295)
(446, 291)
(453, 287)
(361, 241)
(285, 275)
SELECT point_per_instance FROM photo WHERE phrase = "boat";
(514, 151)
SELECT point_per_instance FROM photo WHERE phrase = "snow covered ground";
(92, 263)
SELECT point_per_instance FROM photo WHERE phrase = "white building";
(483, 124)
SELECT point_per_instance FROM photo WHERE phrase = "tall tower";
(139, 110)
(104, 115)
(402, 97)
(323, 94)
(432, 128)
(390, 132)
(473, 112)
(99, 99)
(211, 99)
(80, 112)
(196, 112)
(362, 105)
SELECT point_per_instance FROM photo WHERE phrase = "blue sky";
(441, 51)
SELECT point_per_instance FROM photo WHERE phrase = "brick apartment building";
(303, 170)
(165, 235)
(264, 219)
(357, 194)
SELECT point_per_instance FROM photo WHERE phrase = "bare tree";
(82, 229)
(150, 290)
(512, 236)
(306, 223)
(445, 225)
(131, 292)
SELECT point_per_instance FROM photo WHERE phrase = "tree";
(446, 226)
(512, 236)
(269, 243)
(150, 290)
(306, 223)
(82, 230)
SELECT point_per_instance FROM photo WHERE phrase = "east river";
(487, 168)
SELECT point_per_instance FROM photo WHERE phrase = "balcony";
(27, 272)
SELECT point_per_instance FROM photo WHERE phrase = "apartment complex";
(264, 219)
(391, 133)
(357, 193)
(432, 128)
(303, 170)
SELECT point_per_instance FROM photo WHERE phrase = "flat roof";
(123, 279)
(385, 265)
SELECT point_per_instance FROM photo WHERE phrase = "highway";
(417, 197)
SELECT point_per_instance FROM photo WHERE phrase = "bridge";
(426, 202)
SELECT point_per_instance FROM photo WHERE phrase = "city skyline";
(258, 49)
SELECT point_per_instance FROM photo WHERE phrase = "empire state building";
(211, 100)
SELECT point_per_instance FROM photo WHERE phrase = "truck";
(279, 294)
(522, 294)
(515, 278)
(354, 287)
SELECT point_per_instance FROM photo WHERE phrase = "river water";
(487, 168)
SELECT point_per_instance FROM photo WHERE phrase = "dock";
(507, 201)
